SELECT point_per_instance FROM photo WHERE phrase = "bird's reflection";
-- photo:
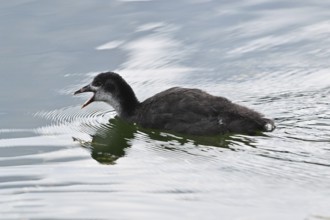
(110, 143)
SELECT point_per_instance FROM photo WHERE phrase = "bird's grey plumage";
(196, 112)
(182, 110)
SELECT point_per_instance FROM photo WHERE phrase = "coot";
(181, 110)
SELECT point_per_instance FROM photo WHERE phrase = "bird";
(180, 110)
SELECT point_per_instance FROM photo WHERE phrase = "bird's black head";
(111, 88)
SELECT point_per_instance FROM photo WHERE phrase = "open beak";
(86, 89)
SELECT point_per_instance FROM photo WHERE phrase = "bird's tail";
(269, 125)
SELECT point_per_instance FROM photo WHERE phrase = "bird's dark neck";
(127, 101)
(128, 107)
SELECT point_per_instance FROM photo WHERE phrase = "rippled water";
(58, 161)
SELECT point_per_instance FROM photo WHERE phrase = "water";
(58, 161)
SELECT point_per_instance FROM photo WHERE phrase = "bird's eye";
(97, 83)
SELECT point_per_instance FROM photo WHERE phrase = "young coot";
(182, 110)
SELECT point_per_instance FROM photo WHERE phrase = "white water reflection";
(268, 55)
(110, 45)
(315, 32)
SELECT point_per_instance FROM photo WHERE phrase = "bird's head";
(111, 88)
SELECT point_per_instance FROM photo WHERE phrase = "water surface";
(60, 161)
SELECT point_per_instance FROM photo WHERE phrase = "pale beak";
(87, 88)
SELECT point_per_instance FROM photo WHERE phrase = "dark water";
(60, 162)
